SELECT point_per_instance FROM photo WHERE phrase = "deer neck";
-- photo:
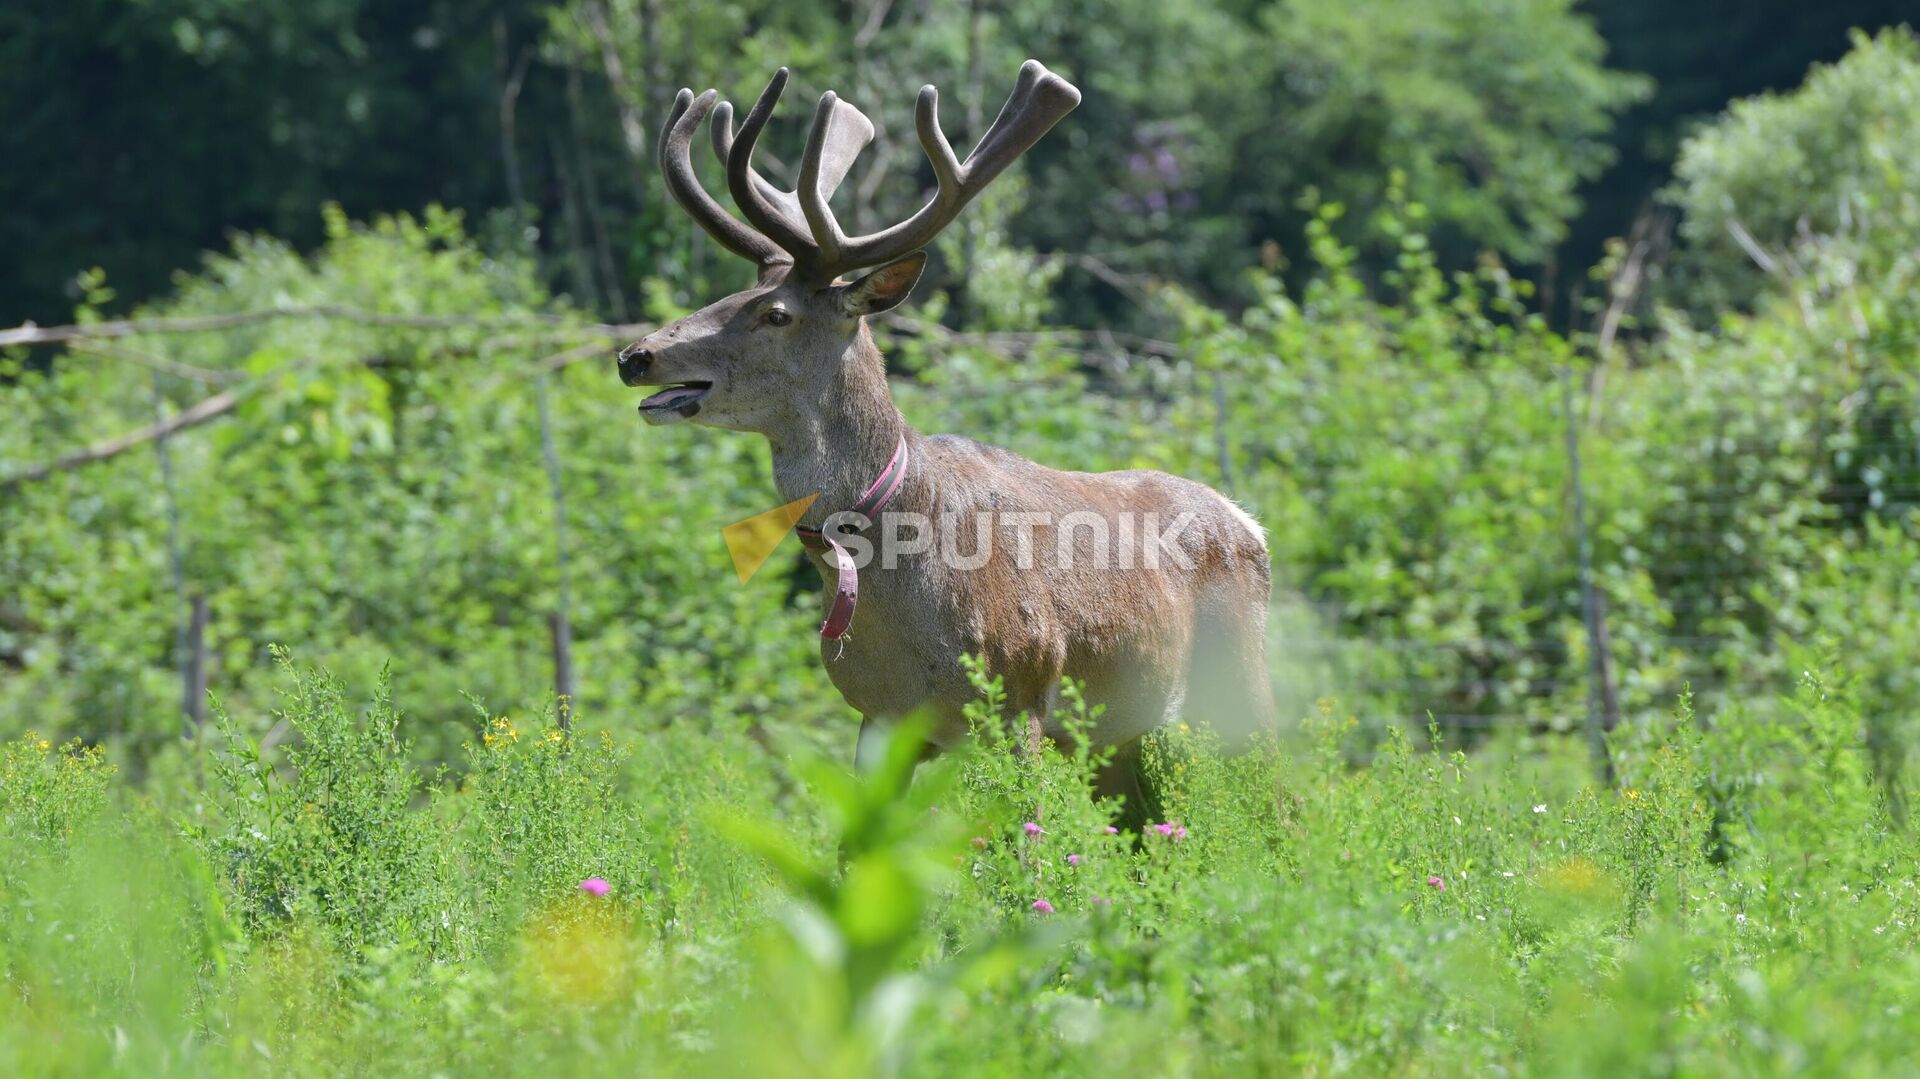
(838, 443)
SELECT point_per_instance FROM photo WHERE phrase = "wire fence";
(1563, 667)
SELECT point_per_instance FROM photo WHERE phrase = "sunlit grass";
(1744, 903)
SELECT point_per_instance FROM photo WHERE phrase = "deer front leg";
(871, 746)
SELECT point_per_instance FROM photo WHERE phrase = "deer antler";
(676, 168)
(798, 226)
(840, 133)
(1039, 100)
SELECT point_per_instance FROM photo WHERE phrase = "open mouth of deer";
(680, 401)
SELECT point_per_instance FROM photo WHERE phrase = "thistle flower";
(1073, 859)
(1111, 830)
(1041, 906)
(1437, 883)
(595, 886)
(1033, 828)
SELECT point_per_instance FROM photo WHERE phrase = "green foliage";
(377, 493)
(1496, 111)
(336, 843)
(1823, 173)
(538, 119)
(1349, 897)
(46, 792)
(1740, 904)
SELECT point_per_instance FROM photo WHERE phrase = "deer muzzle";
(633, 363)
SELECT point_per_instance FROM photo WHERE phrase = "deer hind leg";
(1123, 777)
(1227, 684)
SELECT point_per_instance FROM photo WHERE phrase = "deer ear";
(884, 288)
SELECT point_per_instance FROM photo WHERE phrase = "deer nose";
(633, 364)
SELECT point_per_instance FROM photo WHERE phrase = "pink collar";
(846, 592)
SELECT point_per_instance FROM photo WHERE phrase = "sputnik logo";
(752, 541)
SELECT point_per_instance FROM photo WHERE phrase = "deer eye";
(778, 316)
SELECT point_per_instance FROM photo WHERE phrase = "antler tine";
(839, 133)
(772, 211)
(676, 168)
(1039, 100)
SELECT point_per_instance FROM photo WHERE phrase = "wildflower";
(1073, 859)
(1041, 906)
(1164, 829)
(595, 886)
(1111, 830)
(1541, 808)
(980, 842)
(1033, 828)
(1437, 883)
(1173, 829)
(1102, 901)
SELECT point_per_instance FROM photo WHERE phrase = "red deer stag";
(1150, 589)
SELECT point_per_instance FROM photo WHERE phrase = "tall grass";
(1743, 904)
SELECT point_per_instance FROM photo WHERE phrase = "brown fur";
(1138, 638)
(793, 360)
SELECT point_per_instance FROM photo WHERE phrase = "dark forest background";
(138, 134)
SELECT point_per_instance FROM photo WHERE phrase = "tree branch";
(206, 409)
(220, 404)
(31, 334)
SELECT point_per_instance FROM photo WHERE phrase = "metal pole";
(559, 622)
(190, 631)
(1602, 703)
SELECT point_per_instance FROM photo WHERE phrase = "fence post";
(559, 622)
(1221, 444)
(193, 673)
(190, 631)
(1603, 704)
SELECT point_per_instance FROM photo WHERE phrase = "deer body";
(1041, 591)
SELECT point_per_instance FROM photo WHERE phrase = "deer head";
(764, 358)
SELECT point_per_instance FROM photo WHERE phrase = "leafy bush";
(1830, 165)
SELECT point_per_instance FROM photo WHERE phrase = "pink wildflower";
(1437, 883)
(595, 886)
(1033, 827)
(1111, 830)
(1041, 906)
(1073, 859)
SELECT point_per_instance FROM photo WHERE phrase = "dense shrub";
(1825, 169)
